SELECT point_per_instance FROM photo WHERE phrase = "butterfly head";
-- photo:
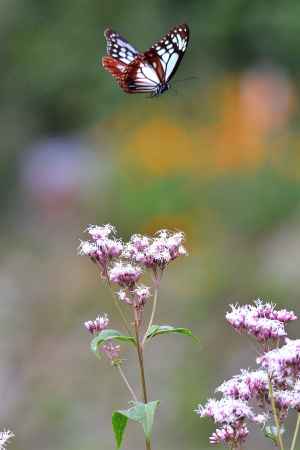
(161, 88)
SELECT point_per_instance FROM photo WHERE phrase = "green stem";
(123, 317)
(276, 419)
(152, 315)
(293, 446)
(141, 364)
(125, 321)
(123, 376)
(156, 282)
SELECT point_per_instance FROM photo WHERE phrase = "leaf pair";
(155, 330)
(142, 413)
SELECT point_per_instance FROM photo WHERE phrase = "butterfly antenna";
(187, 79)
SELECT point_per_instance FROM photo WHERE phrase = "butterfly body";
(148, 72)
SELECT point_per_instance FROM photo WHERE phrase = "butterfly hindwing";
(114, 66)
(141, 76)
(118, 47)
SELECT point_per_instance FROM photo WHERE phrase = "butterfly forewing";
(118, 47)
(170, 49)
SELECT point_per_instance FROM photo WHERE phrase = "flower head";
(125, 275)
(5, 436)
(268, 311)
(97, 325)
(101, 231)
(137, 296)
(226, 410)
(283, 364)
(260, 320)
(111, 350)
(155, 252)
(229, 434)
(246, 386)
(140, 295)
(103, 247)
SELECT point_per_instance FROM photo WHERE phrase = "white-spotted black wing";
(118, 47)
(170, 49)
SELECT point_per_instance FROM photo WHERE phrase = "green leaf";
(147, 423)
(155, 330)
(142, 413)
(119, 422)
(107, 335)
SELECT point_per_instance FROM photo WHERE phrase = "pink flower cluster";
(123, 264)
(103, 247)
(155, 252)
(229, 434)
(231, 414)
(260, 320)
(246, 386)
(124, 274)
(283, 364)
(228, 410)
(136, 297)
(250, 390)
(97, 325)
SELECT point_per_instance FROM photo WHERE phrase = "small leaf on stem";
(155, 330)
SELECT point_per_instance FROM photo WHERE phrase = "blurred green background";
(216, 156)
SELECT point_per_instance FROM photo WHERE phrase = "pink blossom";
(229, 434)
(260, 320)
(103, 247)
(111, 350)
(97, 325)
(268, 311)
(137, 296)
(231, 414)
(283, 401)
(141, 294)
(245, 386)
(124, 274)
(123, 295)
(101, 231)
(155, 252)
(283, 364)
(226, 411)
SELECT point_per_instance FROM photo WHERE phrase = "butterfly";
(148, 72)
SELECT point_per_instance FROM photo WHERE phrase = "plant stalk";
(152, 316)
(293, 446)
(276, 419)
(122, 316)
(141, 364)
(117, 305)
(123, 376)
